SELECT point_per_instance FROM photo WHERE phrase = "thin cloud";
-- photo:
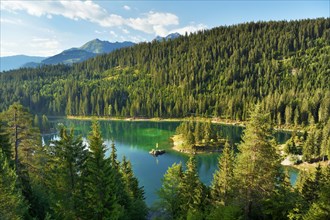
(125, 31)
(113, 34)
(10, 21)
(156, 23)
(127, 8)
(75, 10)
(46, 46)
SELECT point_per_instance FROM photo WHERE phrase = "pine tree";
(257, 168)
(137, 208)
(44, 123)
(169, 193)
(22, 134)
(192, 190)
(26, 141)
(99, 185)
(113, 156)
(320, 207)
(309, 146)
(67, 158)
(222, 184)
(5, 143)
(12, 204)
(122, 195)
(283, 200)
(311, 186)
(325, 144)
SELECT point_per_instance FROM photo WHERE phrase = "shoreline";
(197, 119)
(177, 142)
(305, 166)
(178, 146)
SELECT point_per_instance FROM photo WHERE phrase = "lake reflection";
(135, 139)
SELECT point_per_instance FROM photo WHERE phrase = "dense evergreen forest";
(64, 180)
(68, 180)
(221, 72)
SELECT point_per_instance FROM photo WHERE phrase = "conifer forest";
(265, 75)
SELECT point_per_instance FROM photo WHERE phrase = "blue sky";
(45, 28)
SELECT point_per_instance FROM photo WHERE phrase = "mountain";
(168, 37)
(31, 65)
(73, 55)
(17, 61)
(97, 46)
(89, 50)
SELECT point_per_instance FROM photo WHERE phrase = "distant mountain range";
(70, 56)
(14, 62)
(85, 52)
(73, 55)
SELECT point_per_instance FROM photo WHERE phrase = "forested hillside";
(220, 72)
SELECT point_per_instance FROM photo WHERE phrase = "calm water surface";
(135, 139)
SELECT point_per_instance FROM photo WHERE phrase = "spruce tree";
(5, 145)
(309, 146)
(311, 186)
(222, 184)
(321, 208)
(170, 193)
(325, 144)
(66, 159)
(137, 208)
(12, 204)
(257, 166)
(99, 184)
(25, 138)
(192, 189)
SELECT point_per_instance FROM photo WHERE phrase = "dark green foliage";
(257, 167)
(311, 186)
(26, 143)
(199, 136)
(136, 209)
(170, 192)
(311, 148)
(320, 209)
(219, 72)
(99, 196)
(325, 144)
(23, 136)
(183, 195)
(5, 145)
(226, 213)
(222, 184)
(12, 204)
(63, 180)
(66, 162)
(192, 190)
(283, 199)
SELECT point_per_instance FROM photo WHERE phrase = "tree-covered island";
(197, 136)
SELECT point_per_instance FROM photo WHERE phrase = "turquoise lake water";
(135, 139)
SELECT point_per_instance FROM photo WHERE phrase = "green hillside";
(220, 72)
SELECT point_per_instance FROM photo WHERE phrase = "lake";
(135, 139)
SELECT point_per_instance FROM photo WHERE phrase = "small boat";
(156, 152)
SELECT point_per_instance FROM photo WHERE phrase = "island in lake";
(197, 137)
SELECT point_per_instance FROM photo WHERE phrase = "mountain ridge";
(69, 56)
(16, 61)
